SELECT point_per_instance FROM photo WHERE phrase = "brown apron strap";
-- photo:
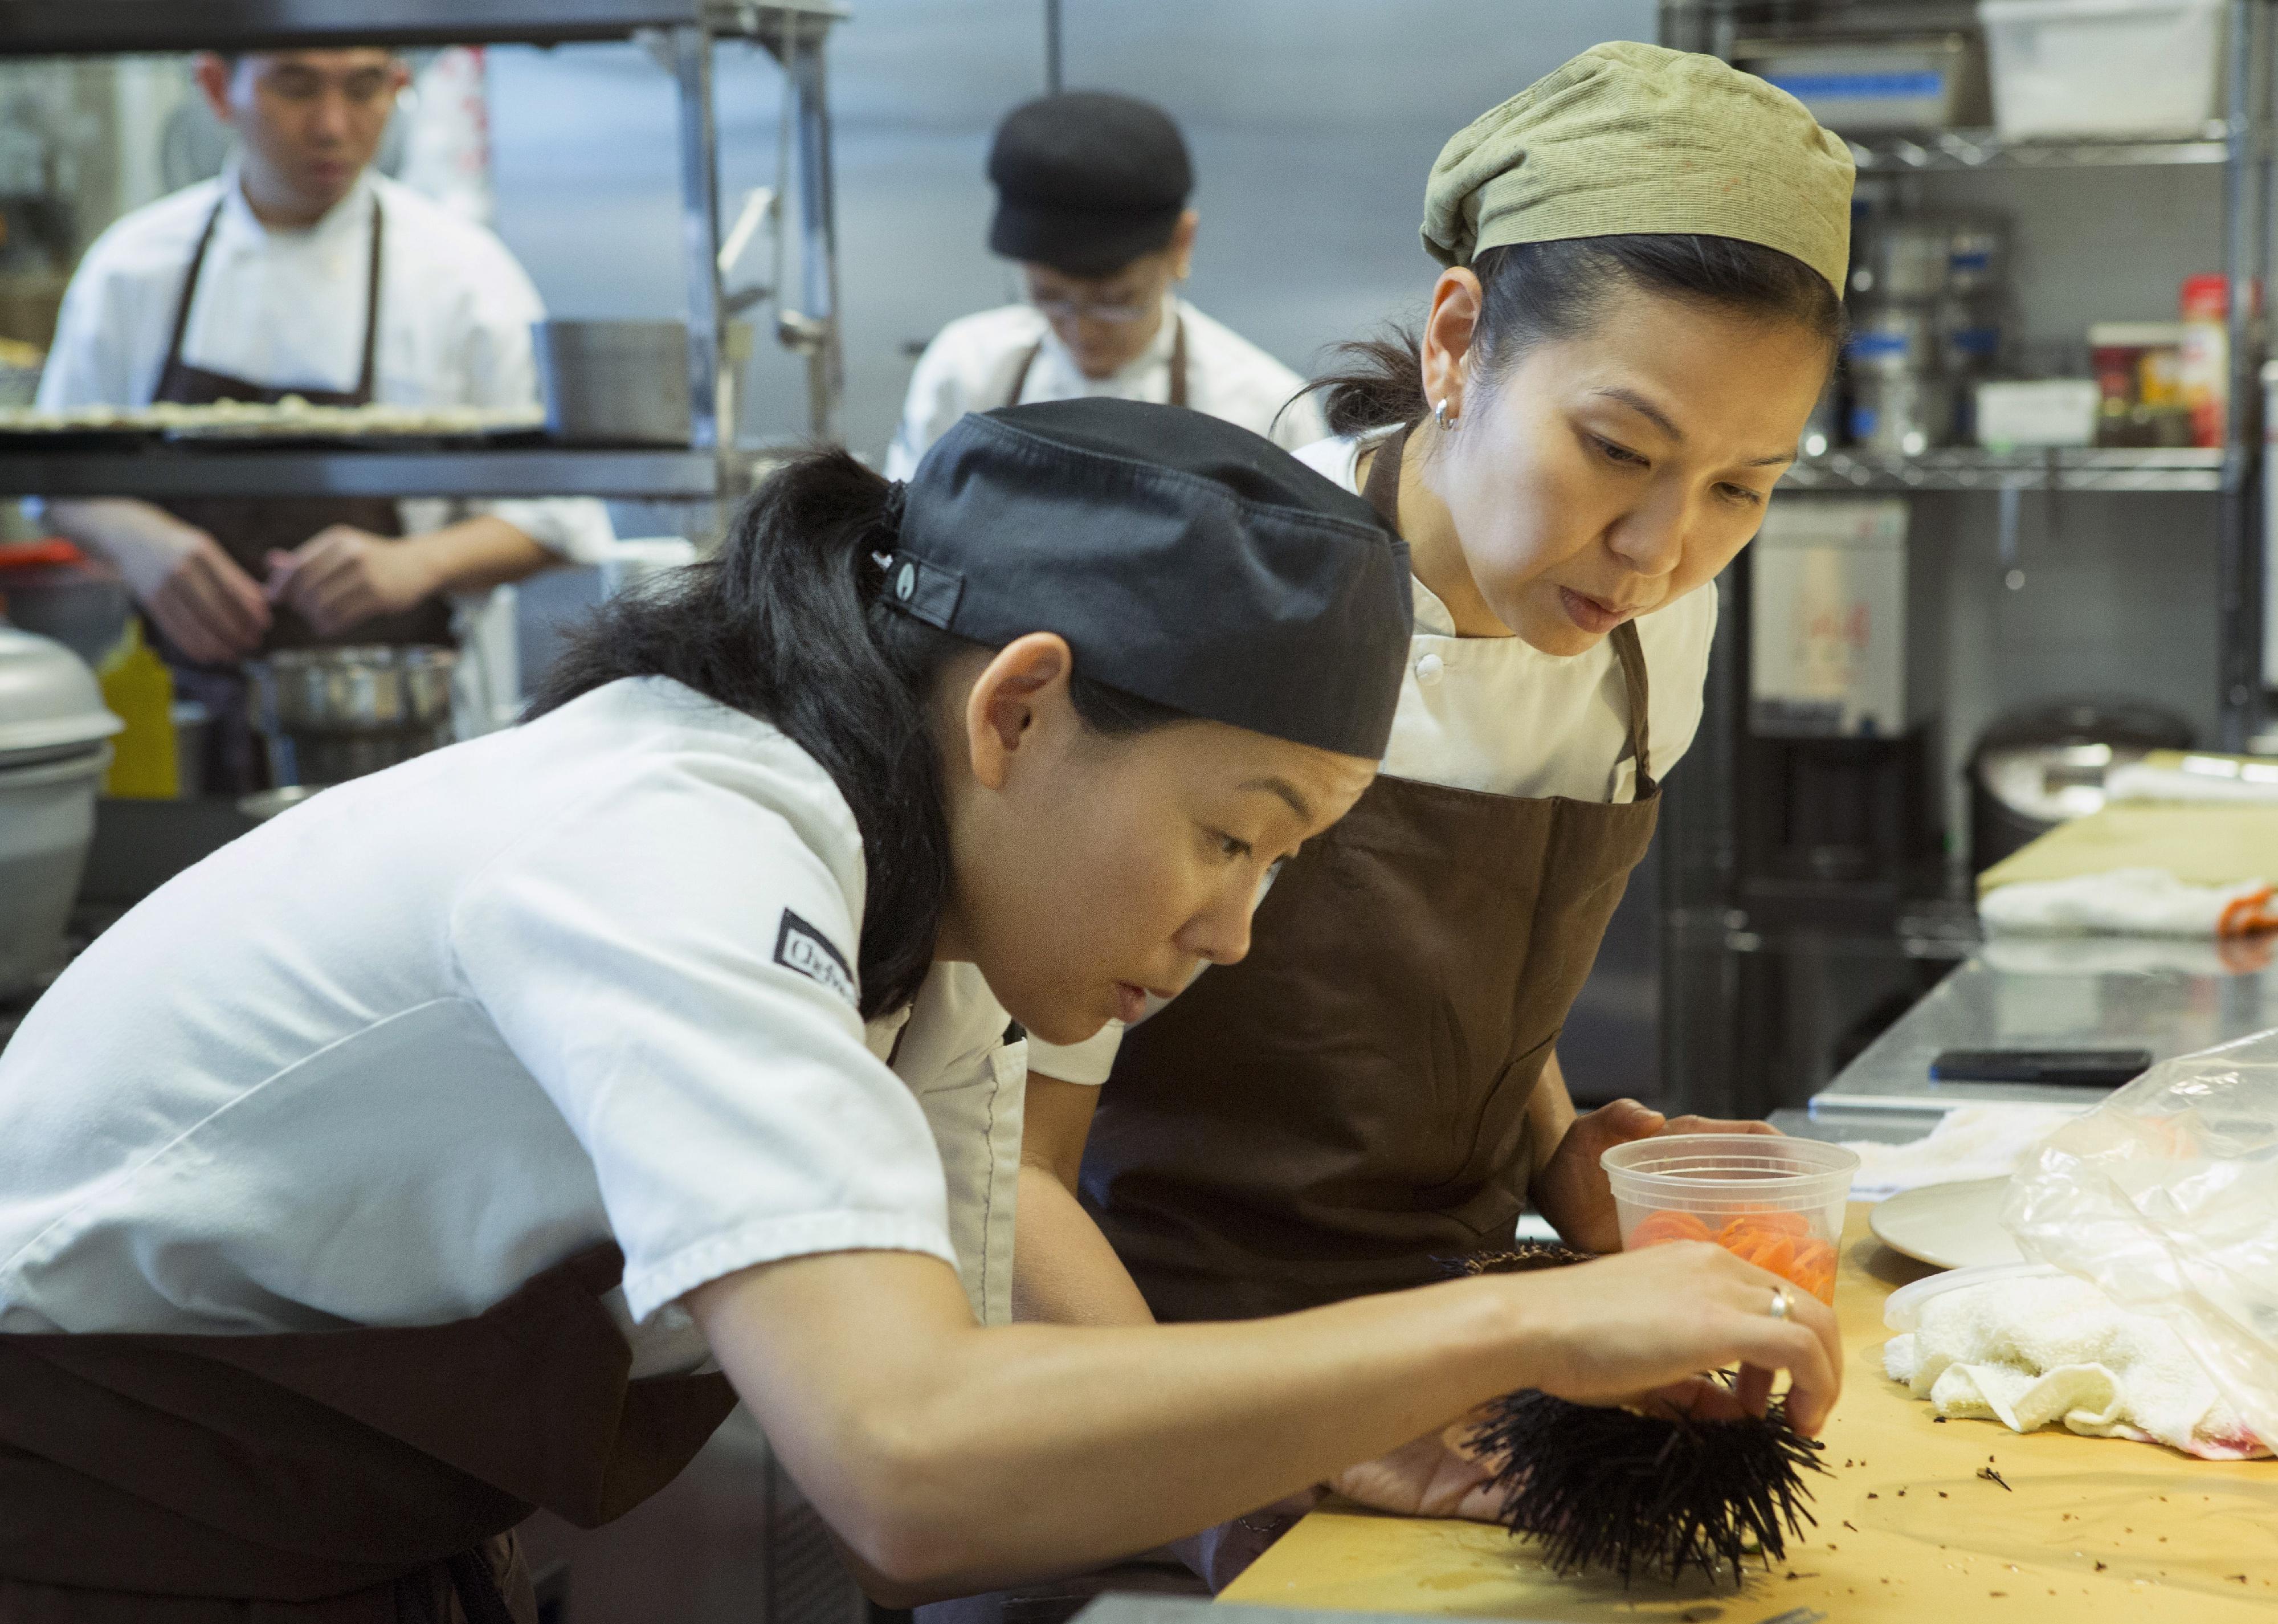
(190, 289)
(1179, 393)
(368, 378)
(1630, 651)
(1021, 377)
(368, 372)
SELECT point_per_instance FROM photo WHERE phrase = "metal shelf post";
(814, 327)
(2246, 257)
(700, 235)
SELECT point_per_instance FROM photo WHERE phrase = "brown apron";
(357, 1476)
(1348, 1103)
(1178, 365)
(247, 528)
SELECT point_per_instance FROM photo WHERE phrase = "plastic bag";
(2165, 1197)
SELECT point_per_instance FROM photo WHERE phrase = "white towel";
(1979, 1141)
(2200, 778)
(2032, 1352)
(2130, 901)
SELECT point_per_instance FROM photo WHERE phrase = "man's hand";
(1572, 1190)
(342, 577)
(207, 607)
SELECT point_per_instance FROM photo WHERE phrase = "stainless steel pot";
(626, 382)
(330, 714)
(357, 690)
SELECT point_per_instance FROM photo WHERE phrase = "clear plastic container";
(1778, 1202)
(2104, 67)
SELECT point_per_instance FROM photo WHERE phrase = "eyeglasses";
(1120, 311)
(360, 87)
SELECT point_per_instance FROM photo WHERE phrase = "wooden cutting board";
(2205, 845)
(2088, 1528)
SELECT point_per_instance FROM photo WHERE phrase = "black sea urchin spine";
(1653, 1494)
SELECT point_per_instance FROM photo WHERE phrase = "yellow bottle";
(139, 690)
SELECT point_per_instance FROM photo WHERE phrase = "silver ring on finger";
(1780, 1306)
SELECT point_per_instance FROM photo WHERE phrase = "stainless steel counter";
(559, 470)
(2099, 992)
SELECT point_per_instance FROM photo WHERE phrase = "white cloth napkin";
(2131, 901)
(1979, 1141)
(2031, 1352)
(2209, 779)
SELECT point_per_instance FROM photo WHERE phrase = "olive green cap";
(1628, 139)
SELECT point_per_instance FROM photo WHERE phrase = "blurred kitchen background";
(1812, 876)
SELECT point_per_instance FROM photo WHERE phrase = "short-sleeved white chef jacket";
(388, 1056)
(284, 308)
(972, 364)
(1498, 715)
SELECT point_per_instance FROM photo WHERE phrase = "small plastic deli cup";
(1778, 1202)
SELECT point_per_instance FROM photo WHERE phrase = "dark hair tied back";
(1534, 293)
(789, 622)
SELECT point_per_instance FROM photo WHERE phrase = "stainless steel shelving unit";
(682, 34)
(1752, 968)
(2244, 144)
(1972, 149)
(1966, 469)
(165, 473)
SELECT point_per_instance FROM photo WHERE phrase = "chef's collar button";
(907, 582)
(1430, 669)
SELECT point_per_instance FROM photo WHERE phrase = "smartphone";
(2081, 1067)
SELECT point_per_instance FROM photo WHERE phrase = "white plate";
(1955, 1226)
(1903, 1310)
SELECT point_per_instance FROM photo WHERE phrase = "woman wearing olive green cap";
(1639, 305)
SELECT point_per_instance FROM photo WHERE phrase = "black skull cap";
(1087, 181)
(1185, 560)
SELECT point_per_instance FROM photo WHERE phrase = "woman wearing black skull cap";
(541, 1097)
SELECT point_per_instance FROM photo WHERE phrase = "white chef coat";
(391, 1054)
(284, 308)
(972, 363)
(1498, 715)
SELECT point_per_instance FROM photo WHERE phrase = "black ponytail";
(786, 623)
(1534, 293)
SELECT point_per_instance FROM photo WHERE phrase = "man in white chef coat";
(301, 271)
(1091, 203)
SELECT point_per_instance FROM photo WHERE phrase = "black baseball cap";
(1087, 182)
(1184, 559)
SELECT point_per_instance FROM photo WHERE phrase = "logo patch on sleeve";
(802, 948)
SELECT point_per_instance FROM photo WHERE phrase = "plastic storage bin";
(1778, 1202)
(2104, 67)
(1871, 87)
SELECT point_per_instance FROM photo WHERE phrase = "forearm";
(116, 528)
(478, 552)
(953, 1459)
(1064, 1271)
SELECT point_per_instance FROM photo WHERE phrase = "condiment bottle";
(139, 690)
